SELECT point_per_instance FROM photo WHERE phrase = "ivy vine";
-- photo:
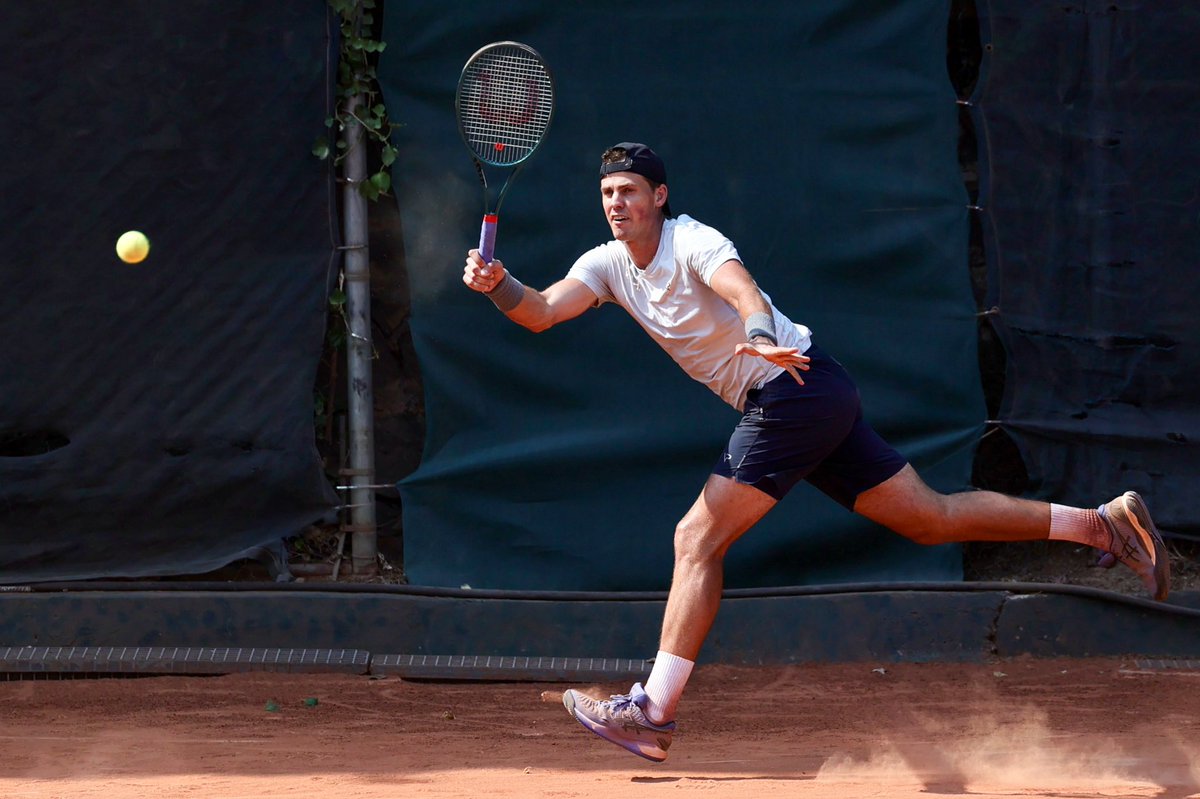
(358, 96)
(358, 101)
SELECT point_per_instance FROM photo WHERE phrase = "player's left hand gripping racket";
(505, 101)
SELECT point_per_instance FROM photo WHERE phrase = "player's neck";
(643, 249)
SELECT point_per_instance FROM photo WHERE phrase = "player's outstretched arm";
(535, 310)
(735, 285)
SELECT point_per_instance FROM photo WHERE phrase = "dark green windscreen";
(821, 138)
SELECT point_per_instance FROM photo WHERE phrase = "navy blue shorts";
(816, 432)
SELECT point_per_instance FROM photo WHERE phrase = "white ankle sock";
(665, 685)
(1079, 525)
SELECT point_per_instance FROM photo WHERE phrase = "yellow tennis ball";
(133, 247)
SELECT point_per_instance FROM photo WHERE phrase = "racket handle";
(487, 237)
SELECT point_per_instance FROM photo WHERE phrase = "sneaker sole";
(656, 755)
(1139, 516)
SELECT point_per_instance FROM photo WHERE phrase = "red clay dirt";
(1075, 729)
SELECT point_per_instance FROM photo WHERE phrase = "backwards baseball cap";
(640, 160)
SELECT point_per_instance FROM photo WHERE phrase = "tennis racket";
(504, 103)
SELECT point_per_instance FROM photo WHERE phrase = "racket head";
(504, 103)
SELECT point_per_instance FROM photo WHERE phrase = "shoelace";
(623, 706)
(621, 702)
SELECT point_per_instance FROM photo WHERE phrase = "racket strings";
(505, 105)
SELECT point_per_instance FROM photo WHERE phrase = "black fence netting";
(1089, 199)
(157, 418)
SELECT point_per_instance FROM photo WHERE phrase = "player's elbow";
(535, 322)
(543, 318)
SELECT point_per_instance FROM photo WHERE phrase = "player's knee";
(927, 523)
(696, 542)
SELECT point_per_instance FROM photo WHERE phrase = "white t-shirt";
(672, 301)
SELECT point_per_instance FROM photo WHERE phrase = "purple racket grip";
(487, 237)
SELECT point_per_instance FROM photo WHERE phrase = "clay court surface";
(1024, 728)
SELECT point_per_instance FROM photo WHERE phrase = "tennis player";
(685, 284)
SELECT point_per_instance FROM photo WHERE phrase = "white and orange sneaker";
(1136, 543)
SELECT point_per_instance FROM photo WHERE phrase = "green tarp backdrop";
(821, 138)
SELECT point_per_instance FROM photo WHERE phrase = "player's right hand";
(787, 357)
(480, 276)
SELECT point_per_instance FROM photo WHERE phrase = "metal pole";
(359, 353)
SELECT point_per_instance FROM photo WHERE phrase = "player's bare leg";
(724, 511)
(642, 720)
(1123, 527)
(905, 504)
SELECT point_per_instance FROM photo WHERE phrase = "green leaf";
(358, 84)
(369, 190)
(337, 298)
(381, 180)
(321, 148)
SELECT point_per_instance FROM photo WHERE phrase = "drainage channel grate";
(177, 660)
(1162, 667)
(1159, 664)
(58, 662)
(494, 667)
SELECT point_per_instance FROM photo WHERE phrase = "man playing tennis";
(684, 283)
